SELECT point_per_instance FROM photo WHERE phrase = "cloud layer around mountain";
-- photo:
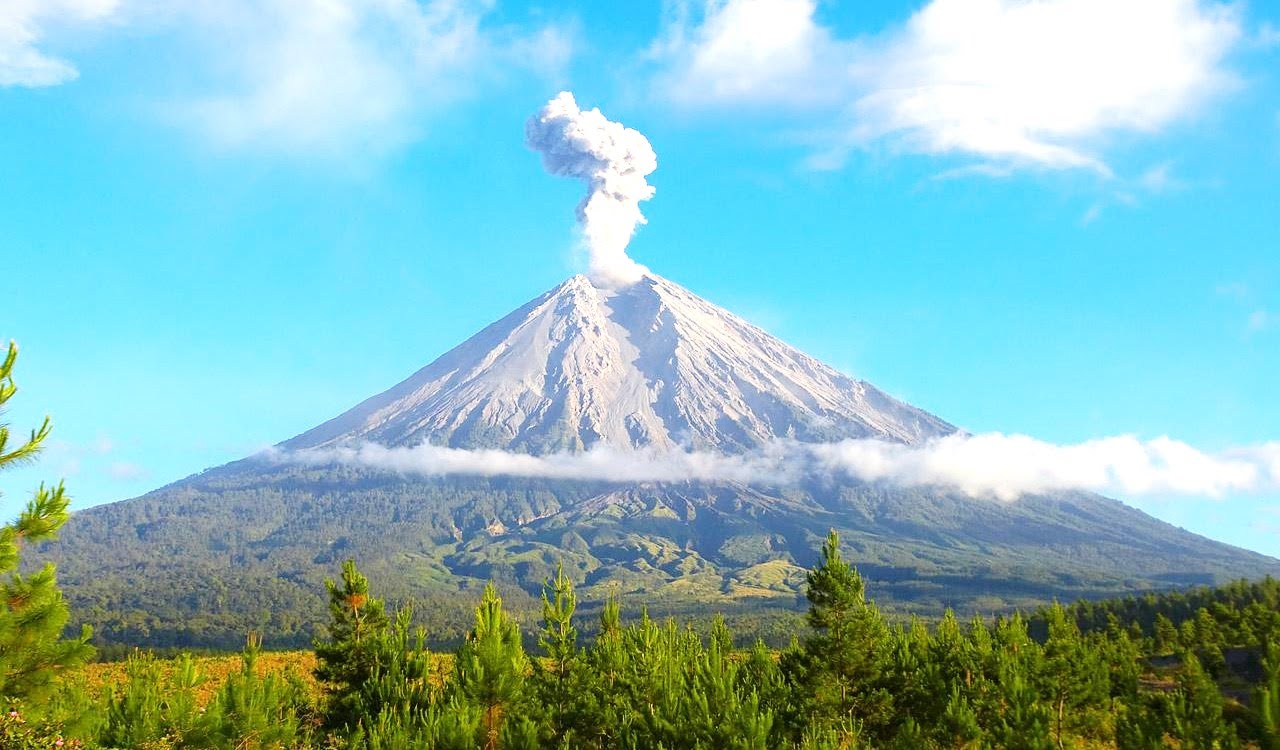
(993, 465)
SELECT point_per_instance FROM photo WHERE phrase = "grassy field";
(213, 670)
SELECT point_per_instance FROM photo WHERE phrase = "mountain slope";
(651, 365)
(246, 546)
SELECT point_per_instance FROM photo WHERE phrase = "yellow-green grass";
(213, 670)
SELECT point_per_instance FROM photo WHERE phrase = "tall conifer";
(32, 612)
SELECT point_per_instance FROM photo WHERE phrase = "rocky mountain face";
(246, 546)
(649, 366)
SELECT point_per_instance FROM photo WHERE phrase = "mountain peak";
(648, 365)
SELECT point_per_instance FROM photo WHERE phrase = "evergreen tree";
(559, 677)
(844, 663)
(253, 712)
(1166, 635)
(1196, 710)
(347, 661)
(1142, 726)
(1024, 724)
(1074, 676)
(32, 612)
(1266, 699)
(490, 670)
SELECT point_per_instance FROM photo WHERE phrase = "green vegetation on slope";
(850, 680)
(244, 547)
(1197, 671)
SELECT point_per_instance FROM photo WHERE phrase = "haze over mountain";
(642, 366)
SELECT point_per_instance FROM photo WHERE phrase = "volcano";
(648, 366)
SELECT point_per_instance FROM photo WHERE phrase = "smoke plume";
(613, 160)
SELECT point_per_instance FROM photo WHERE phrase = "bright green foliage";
(844, 664)
(490, 671)
(259, 712)
(1267, 699)
(1196, 710)
(1166, 635)
(1142, 726)
(643, 684)
(32, 613)
(156, 707)
(560, 678)
(18, 732)
(347, 661)
(1074, 675)
(1026, 721)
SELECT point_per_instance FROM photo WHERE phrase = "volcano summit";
(650, 365)
(642, 367)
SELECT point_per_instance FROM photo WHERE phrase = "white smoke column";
(613, 160)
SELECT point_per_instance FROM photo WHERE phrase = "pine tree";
(1074, 676)
(1196, 710)
(32, 611)
(559, 677)
(845, 660)
(348, 660)
(490, 668)
(1266, 699)
(1166, 635)
(1142, 725)
(253, 712)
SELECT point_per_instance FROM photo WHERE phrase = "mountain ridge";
(652, 366)
(648, 366)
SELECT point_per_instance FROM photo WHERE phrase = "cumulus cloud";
(994, 465)
(1042, 83)
(750, 52)
(23, 26)
(127, 471)
(613, 161)
(347, 75)
(339, 76)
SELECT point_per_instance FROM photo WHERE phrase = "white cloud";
(748, 52)
(1091, 214)
(1161, 179)
(1042, 83)
(988, 465)
(601, 463)
(23, 26)
(127, 471)
(347, 75)
(344, 76)
(1008, 466)
(1261, 320)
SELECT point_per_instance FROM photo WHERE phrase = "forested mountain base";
(1197, 671)
(193, 565)
(1158, 679)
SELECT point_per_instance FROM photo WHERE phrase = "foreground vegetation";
(852, 680)
(1193, 671)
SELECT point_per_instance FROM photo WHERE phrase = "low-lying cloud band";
(994, 465)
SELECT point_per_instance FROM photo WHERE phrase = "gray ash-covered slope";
(246, 546)
(649, 365)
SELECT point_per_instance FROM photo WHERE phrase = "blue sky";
(223, 226)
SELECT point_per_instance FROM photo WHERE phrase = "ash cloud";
(613, 161)
(990, 465)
